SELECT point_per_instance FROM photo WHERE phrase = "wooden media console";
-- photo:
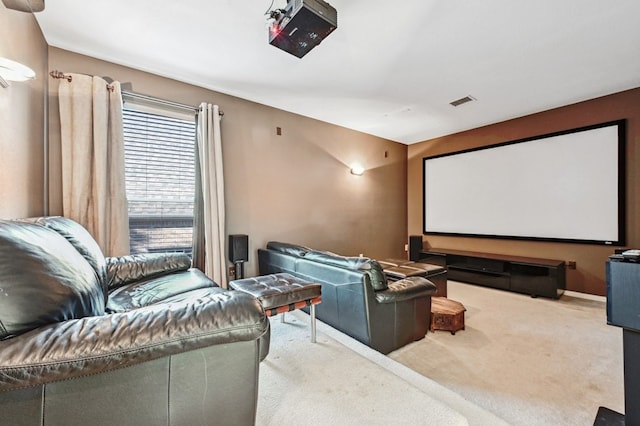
(536, 277)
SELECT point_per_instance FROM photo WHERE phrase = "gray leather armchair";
(142, 340)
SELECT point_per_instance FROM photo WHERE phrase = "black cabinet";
(536, 277)
(538, 280)
(433, 258)
(623, 310)
(623, 294)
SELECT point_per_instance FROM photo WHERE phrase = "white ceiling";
(390, 69)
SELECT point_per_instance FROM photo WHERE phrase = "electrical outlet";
(232, 272)
(406, 247)
(571, 264)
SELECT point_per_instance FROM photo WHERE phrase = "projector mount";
(276, 14)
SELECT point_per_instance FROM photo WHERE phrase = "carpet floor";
(338, 381)
(519, 361)
(529, 361)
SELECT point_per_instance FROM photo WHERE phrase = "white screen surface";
(559, 187)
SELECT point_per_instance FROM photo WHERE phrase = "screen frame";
(621, 190)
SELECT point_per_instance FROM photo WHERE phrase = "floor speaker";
(415, 245)
(238, 248)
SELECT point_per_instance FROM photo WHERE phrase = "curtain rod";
(164, 101)
(155, 100)
(61, 75)
(69, 78)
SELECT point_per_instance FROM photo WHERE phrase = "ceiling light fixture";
(14, 71)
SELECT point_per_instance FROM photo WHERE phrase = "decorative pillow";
(287, 248)
(43, 279)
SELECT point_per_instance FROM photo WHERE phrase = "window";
(160, 177)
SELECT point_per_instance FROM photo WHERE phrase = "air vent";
(461, 101)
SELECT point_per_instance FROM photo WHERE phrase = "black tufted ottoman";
(280, 293)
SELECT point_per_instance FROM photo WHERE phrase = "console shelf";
(536, 277)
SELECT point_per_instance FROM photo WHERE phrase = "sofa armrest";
(93, 345)
(127, 269)
(406, 289)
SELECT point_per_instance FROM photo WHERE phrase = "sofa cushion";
(157, 289)
(43, 279)
(364, 264)
(79, 238)
(287, 248)
(124, 270)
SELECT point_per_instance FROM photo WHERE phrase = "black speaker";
(415, 245)
(238, 248)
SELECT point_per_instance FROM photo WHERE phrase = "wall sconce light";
(357, 169)
(14, 71)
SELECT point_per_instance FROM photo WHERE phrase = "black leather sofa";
(135, 340)
(357, 298)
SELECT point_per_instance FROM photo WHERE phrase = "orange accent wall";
(589, 275)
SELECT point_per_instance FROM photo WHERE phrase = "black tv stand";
(536, 277)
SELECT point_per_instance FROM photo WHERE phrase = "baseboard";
(569, 293)
(585, 296)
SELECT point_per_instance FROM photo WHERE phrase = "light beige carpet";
(338, 381)
(530, 361)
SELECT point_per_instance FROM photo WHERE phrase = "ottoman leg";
(313, 323)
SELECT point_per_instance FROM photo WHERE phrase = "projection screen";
(566, 186)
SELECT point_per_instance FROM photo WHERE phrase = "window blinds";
(160, 179)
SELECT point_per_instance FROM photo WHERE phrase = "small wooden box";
(446, 314)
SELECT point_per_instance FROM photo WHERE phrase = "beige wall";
(295, 187)
(22, 118)
(589, 277)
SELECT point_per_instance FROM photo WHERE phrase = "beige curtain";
(209, 237)
(92, 144)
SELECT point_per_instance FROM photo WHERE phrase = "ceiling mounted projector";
(25, 5)
(302, 25)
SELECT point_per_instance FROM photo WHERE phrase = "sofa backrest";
(79, 238)
(365, 265)
(43, 279)
(288, 248)
(371, 267)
